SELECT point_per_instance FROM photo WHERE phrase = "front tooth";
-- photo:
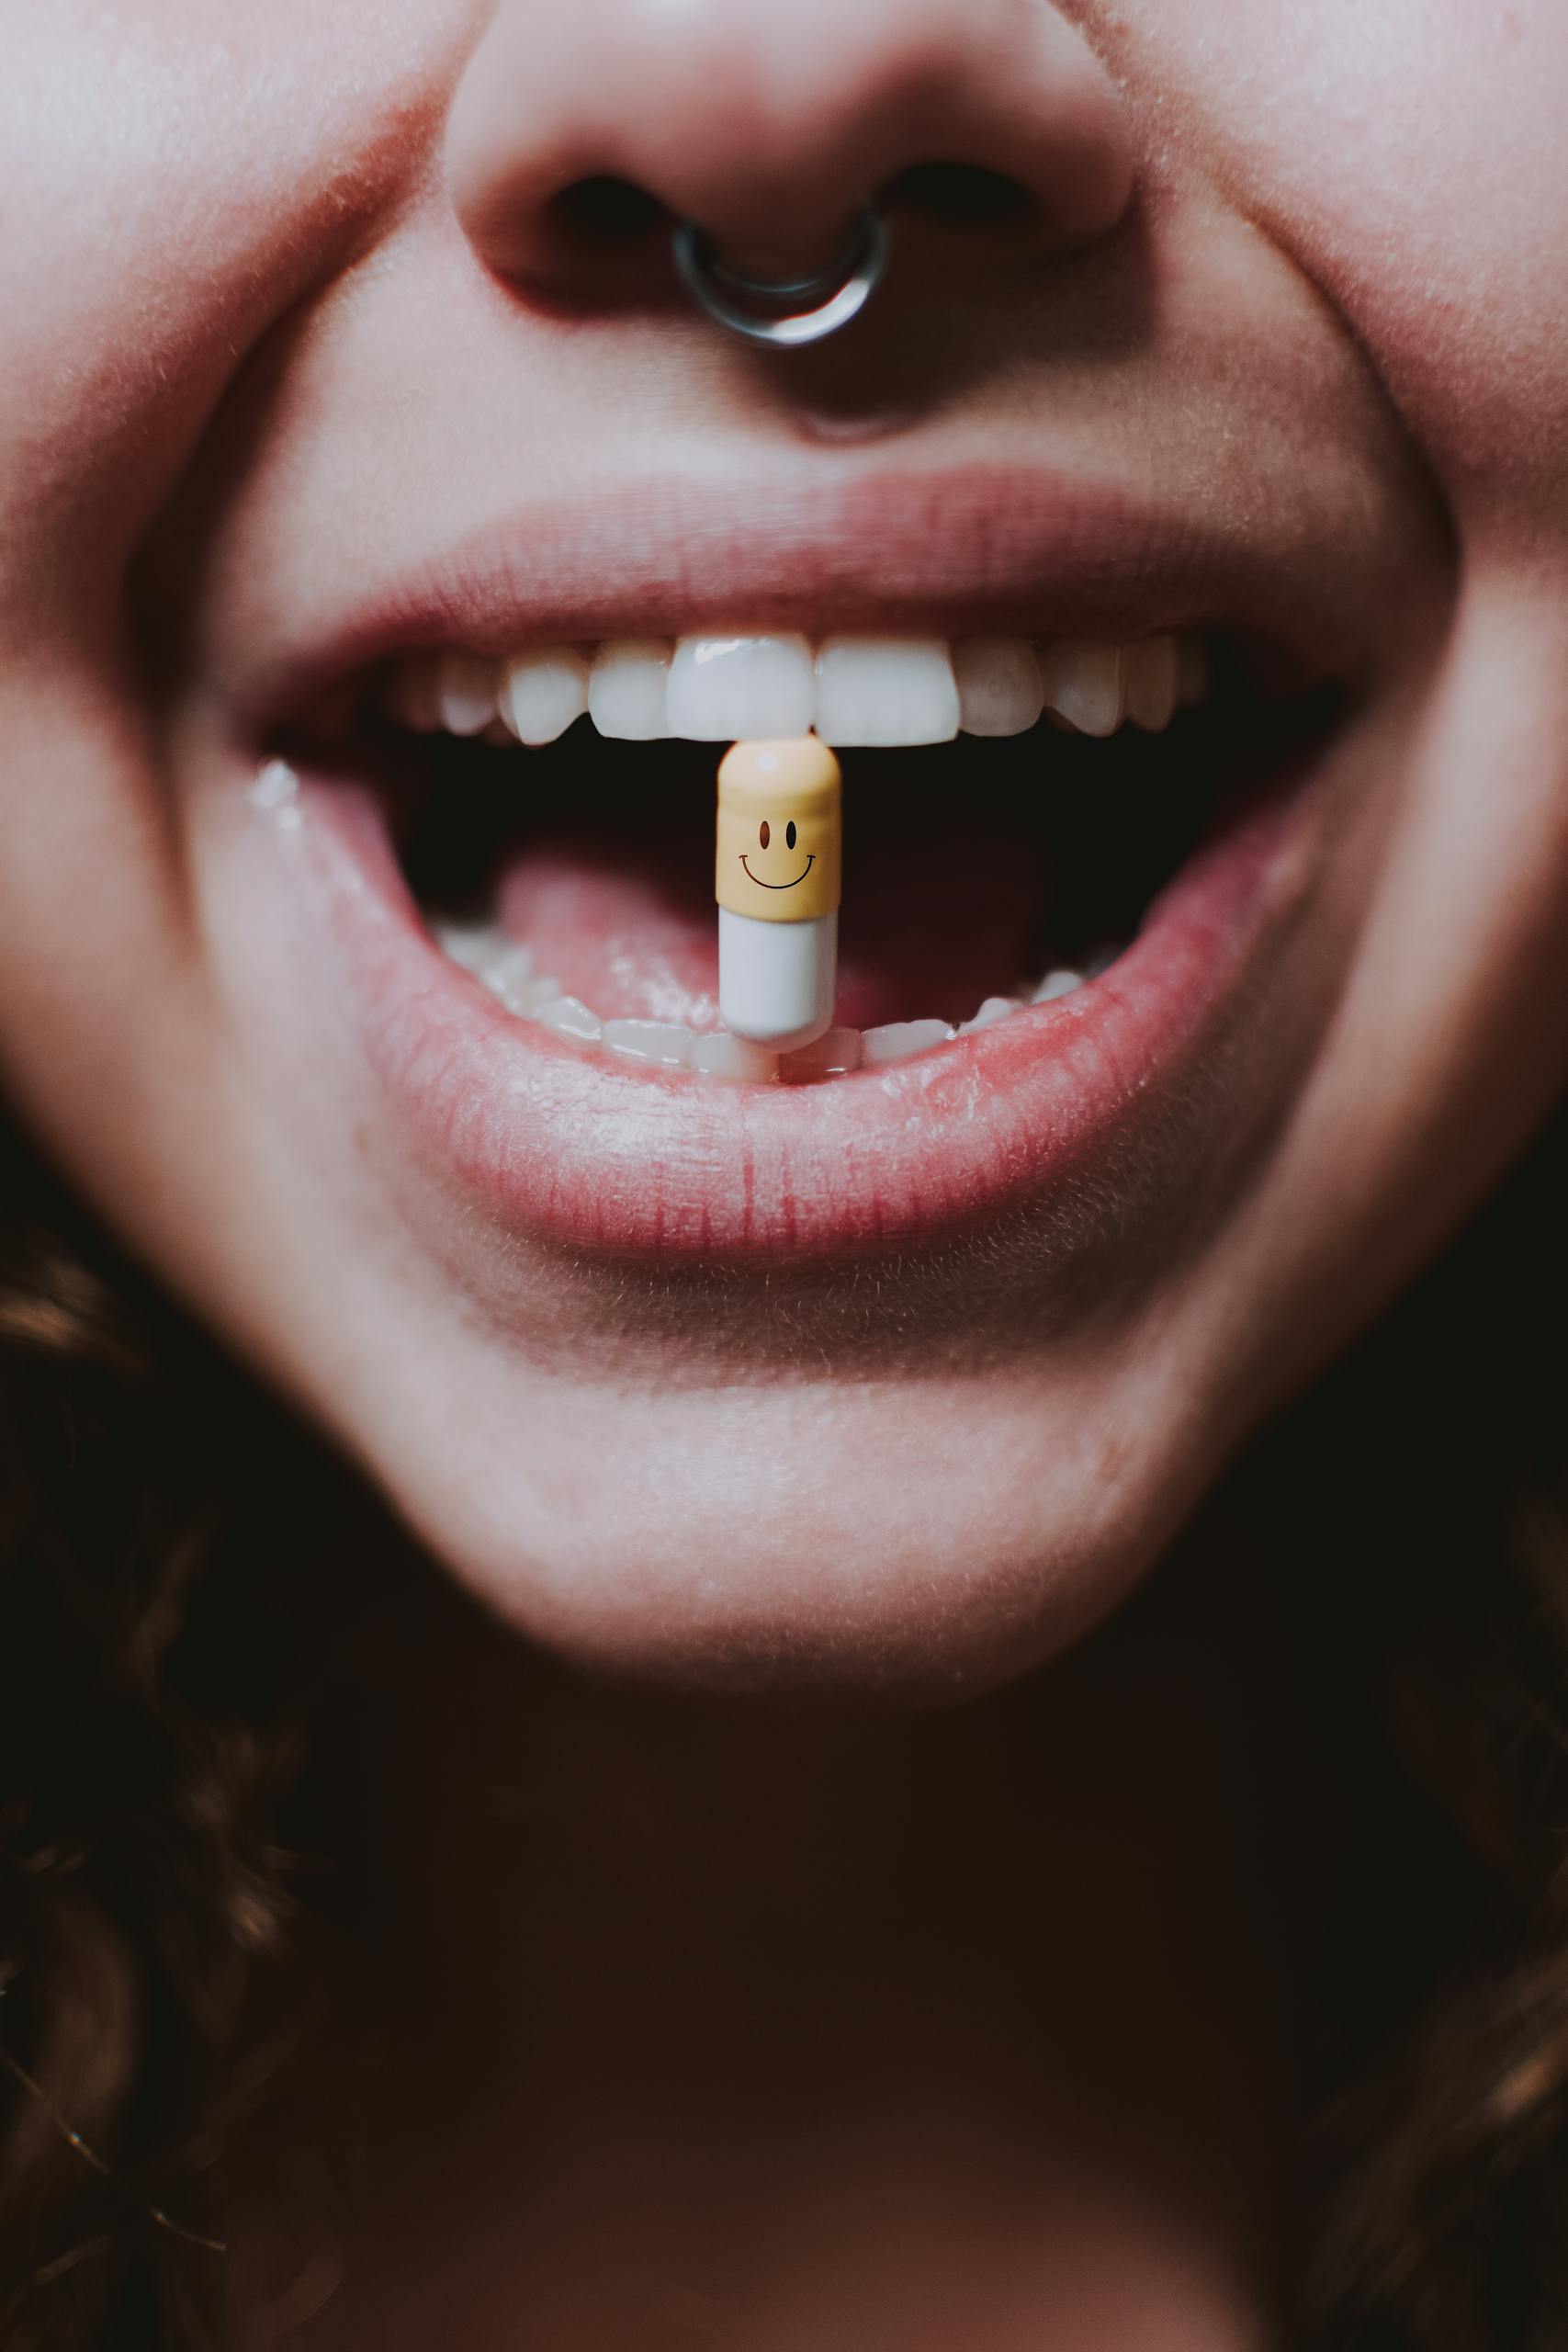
(664, 1042)
(739, 689)
(544, 693)
(628, 692)
(717, 1054)
(999, 691)
(467, 694)
(833, 1055)
(1084, 681)
(1060, 982)
(995, 1009)
(571, 1016)
(895, 1041)
(1151, 683)
(879, 691)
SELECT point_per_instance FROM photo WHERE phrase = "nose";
(770, 123)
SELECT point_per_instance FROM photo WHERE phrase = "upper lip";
(980, 549)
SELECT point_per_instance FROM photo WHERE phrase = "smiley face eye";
(763, 832)
(789, 833)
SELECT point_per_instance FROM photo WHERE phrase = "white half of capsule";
(776, 981)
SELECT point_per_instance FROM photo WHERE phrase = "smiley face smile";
(810, 862)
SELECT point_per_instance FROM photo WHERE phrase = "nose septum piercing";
(784, 313)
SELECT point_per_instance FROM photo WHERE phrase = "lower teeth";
(505, 968)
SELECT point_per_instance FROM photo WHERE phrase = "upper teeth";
(853, 690)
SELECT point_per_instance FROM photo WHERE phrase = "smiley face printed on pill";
(778, 850)
(767, 840)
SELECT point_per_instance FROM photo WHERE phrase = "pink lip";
(554, 1139)
(975, 550)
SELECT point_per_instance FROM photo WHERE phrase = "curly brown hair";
(164, 1617)
(159, 1629)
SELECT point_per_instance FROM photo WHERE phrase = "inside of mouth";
(974, 870)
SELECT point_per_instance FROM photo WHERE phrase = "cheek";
(1410, 157)
(168, 187)
(173, 179)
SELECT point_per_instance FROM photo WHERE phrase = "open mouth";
(1091, 750)
(1013, 811)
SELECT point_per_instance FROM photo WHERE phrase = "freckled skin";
(254, 270)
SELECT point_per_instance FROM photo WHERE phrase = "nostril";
(961, 192)
(577, 138)
(606, 210)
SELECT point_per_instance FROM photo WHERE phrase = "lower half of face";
(1205, 790)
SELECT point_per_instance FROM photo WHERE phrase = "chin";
(878, 1541)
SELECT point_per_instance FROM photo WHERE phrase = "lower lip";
(557, 1141)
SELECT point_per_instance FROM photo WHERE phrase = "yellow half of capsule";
(763, 789)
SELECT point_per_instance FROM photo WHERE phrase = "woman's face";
(313, 361)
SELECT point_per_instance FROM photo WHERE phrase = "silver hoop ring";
(824, 302)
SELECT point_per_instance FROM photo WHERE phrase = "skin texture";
(247, 266)
(244, 269)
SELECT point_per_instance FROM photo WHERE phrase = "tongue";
(937, 916)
